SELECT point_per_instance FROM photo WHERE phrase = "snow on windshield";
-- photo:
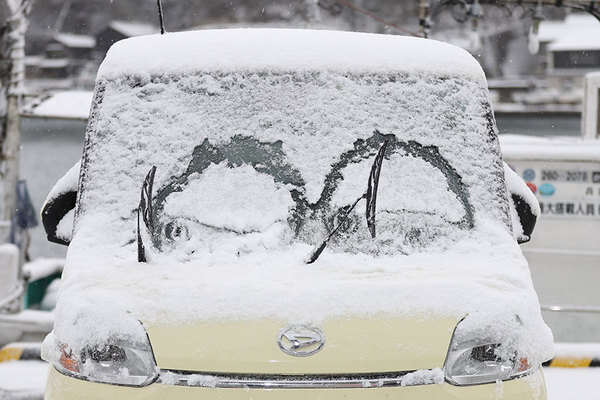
(209, 212)
(213, 199)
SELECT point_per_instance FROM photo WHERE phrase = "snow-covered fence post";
(13, 14)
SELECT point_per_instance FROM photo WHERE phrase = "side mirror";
(527, 218)
(58, 211)
(525, 208)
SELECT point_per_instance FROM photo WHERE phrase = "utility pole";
(14, 14)
(423, 17)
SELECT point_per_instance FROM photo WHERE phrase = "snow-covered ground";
(22, 379)
(27, 379)
(573, 383)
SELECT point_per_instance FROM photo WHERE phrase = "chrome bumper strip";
(253, 381)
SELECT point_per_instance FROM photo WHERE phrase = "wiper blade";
(370, 195)
(372, 189)
(147, 213)
(320, 249)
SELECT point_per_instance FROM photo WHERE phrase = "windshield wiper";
(147, 213)
(372, 189)
(370, 195)
(315, 254)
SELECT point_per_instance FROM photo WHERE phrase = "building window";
(577, 59)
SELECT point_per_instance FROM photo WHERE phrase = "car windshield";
(249, 161)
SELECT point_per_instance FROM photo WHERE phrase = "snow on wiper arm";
(147, 213)
(315, 254)
(370, 195)
(372, 189)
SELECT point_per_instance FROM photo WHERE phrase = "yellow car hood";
(350, 346)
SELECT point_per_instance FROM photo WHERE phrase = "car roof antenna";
(146, 213)
(160, 17)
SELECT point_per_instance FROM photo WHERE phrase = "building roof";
(75, 41)
(72, 104)
(550, 31)
(585, 38)
(33, 60)
(54, 63)
(131, 28)
(286, 49)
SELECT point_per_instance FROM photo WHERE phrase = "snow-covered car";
(298, 215)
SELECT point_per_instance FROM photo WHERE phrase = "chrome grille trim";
(254, 381)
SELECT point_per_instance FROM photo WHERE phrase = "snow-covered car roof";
(285, 49)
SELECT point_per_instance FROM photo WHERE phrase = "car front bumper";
(61, 387)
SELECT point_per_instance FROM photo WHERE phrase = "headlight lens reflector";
(477, 362)
(119, 362)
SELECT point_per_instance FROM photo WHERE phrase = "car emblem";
(300, 340)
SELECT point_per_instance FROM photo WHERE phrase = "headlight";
(474, 361)
(118, 362)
